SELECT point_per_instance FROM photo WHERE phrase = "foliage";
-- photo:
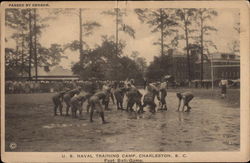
(18, 59)
(50, 56)
(202, 18)
(159, 67)
(140, 61)
(119, 14)
(89, 26)
(75, 45)
(85, 29)
(160, 20)
(103, 63)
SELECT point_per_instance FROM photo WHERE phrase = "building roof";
(54, 71)
(224, 56)
(221, 57)
(177, 53)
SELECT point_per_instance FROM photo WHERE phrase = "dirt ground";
(212, 125)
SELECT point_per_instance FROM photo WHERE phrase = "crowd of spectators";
(49, 86)
(56, 86)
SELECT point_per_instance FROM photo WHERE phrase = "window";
(232, 56)
(223, 56)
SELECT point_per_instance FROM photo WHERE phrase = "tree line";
(107, 61)
(29, 53)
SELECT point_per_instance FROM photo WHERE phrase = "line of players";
(99, 99)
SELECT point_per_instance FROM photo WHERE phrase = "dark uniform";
(95, 104)
(134, 97)
(107, 98)
(76, 103)
(67, 97)
(149, 97)
(186, 97)
(57, 100)
(119, 95)
(223, 84)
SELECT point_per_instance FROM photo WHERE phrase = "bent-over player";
(67, 97)
(149, 97)
(119, 96)
(57, 100)
(77, 102)
(95, 103)
(186, 97)
(134, 97)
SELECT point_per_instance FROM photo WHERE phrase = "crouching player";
(67, 97)
(134, 97)
(76, 103)
(149, 97)
(95, 103)
(119, 95)
(57, 100)
(186, 97)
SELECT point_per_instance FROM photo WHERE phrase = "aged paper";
(77, 80)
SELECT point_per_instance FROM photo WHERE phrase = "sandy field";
(212, 125)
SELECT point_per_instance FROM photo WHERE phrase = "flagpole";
(212, 70)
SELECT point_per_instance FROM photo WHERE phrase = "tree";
(99, 60)
(12, 64)
(159, 67)
(103, 63)
(185, 21)
(160, 20)
(27, 25)
(140, 61)
(237, 24)
(17, 19)
(36, 25)
(120, 26)
(203, 16)
(85, 29)
(49, 56)
(30, 42)
(235, 44)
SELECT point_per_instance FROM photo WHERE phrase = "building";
(178, 65)
(179, 68)
(56, 73)
(223, 66)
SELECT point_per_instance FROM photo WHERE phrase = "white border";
(241, 156)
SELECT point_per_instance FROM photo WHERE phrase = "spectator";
(223, 84)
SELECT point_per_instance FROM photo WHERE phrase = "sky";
(65, 28)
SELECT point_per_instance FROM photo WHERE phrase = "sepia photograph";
(123, 77)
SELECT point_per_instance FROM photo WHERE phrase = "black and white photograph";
(121, 77)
